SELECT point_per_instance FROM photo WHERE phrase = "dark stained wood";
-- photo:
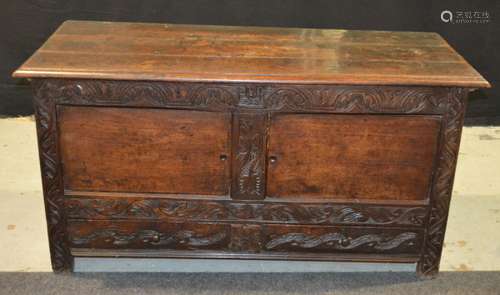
(137, 235)
(302, 165)
(145, 150)
(249, 156)
(52, 178)
(352, 156)
(186, 208)
(292, 238)
(241, 237)
(135, 51)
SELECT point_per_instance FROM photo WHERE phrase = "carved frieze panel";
(204, 210)
(268, 97)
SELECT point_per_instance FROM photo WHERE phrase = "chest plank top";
(189, 141)
(170, 52)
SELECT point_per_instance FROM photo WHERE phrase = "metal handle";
(223, 157)
(273, 159)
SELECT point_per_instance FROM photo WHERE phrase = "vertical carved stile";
(443, 183)
(45, 112)
(249, 133)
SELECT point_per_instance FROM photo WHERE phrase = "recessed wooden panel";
(352, 156)
(145, 150)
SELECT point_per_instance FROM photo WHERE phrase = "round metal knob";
(272, 159)
(223, 157)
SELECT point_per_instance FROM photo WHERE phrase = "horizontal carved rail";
(231, 211)
(261, 97)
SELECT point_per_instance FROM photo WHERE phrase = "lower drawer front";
(243, 238)
(334, 239)
(141, 235)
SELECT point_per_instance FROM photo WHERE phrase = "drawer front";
(243, 238)
(145, 150)
(386, 157)
(147, 235)
(292, 238)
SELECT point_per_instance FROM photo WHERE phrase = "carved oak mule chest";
(161, 140)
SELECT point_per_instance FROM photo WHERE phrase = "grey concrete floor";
(472, 240)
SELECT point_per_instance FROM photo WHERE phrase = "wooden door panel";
(384, 157)
(145, 150)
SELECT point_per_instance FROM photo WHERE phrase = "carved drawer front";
(145, 150)
(147, 235)
(341, 239)
(242, 238)
(387, 157)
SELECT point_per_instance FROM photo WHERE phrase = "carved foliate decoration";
(266, 212)
(147, 94)
(45, 112)
(212, 96)
(244, 238)
(443, 182)
(249, 156)
(183, 239)
(266, 97)
(406, 241)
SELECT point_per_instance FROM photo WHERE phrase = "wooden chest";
(161, 140)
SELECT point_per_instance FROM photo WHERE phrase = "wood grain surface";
(352, 156)
(139, 51)
(172, 151)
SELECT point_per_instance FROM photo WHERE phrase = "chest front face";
(162, 140)
(249, 170)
